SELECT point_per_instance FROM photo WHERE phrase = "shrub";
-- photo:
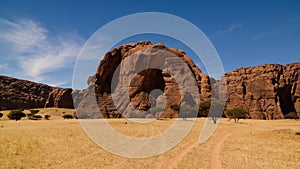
(204, 108)
(1, 114)
(187, 111)
(175, 107)
(16, 115)
(291, 115)
(47, 117)
(36, 117)
(33, 111)
(83, 116)
(136, 114)
(236, 114)
(154, 110)
(67, 116)
(29, 115)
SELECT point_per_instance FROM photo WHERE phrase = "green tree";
(236, 114)
(216, 110)
(204, 108)
(16, 115)
(213, 109)
(188, 111)
(67, 116)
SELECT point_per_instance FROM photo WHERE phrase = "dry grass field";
(59, 143)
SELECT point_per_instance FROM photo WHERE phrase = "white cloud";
(229, 29)
(23, 35)
(262, 35)
(233, 27)
(36, 51)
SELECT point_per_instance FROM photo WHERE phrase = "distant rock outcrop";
(23, 94)
(61, 98)
(267, 91)
(17, 94)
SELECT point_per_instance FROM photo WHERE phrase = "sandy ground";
(59, 143)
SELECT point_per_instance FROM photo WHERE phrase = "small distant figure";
(184, 115)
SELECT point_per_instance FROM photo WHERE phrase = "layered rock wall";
(23, 94)
(267, 91)
(19, 94)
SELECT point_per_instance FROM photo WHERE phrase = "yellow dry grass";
(59, 143)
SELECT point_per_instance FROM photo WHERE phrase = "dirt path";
(213, 149)
(172, 162)
(215, 161)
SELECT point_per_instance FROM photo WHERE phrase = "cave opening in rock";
(142, 84)
(285, 99)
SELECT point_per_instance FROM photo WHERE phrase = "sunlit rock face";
(60, 98)
(22, 94)
(267, 92)
(148, 87)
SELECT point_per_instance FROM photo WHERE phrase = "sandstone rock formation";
(16, 94)
(23, 94)
(144, 82)
(267, 91)
(85, 100)
(61, 98)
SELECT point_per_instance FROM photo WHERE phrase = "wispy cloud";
(37, 51)
(233, 27)
(262, 35)
(229, 29)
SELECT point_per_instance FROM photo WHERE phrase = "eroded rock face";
(60, 98)
(18, 94)
(267, 92)
(23, 94)
(85, 100)
(142, 84)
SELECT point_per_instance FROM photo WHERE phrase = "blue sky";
(40, 40)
